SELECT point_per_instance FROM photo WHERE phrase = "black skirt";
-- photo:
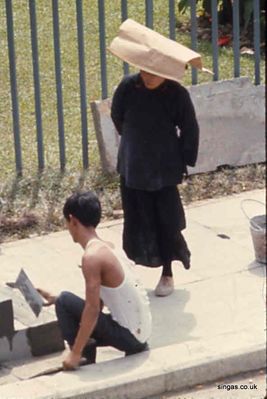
(153, 221)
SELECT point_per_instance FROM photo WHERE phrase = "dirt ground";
(33, 206)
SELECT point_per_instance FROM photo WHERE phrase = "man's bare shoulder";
(92, 268)
(97, 254)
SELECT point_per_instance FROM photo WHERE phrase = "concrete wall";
(231, 116)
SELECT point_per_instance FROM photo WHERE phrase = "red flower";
(224, 40)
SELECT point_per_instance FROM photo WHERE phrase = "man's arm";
(92, 274)
(50, 298)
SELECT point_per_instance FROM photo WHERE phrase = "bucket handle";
(255, 226)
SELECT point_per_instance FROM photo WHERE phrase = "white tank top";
(128, 303)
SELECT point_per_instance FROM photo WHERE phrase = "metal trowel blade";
(31, 295)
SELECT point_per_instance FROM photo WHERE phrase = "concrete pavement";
(212, 326)
(250, 385)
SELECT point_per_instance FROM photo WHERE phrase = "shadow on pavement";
(112, 369)
(171, 324)
(259, 269)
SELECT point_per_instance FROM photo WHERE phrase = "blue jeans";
(107, 332)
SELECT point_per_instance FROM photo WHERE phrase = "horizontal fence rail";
(55, 7)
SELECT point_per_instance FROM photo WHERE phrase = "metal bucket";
(257, 226)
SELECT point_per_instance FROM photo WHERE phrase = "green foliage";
(224, 6)
(247, 12)
(183, 6)
(205, 5)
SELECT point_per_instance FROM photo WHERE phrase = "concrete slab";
(212, 326)
(232, 132)
(33, 336)
(7, 377)
(139, 376)
(23, 315)
(251, 385)
(45, 339)
(16, 348)
(6, 317)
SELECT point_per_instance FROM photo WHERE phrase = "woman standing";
(159, 138)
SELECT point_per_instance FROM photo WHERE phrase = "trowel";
(31, 295)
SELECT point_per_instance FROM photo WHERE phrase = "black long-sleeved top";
(159, 133)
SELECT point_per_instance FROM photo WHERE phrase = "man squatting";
(109, 281)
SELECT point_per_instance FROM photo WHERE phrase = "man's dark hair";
(85, 206)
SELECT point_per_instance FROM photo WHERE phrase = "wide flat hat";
(152, 52)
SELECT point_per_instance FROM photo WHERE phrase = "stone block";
(33, 341)
(231, 115)
(232, 126)
(41, 336)
(6, 318)
(45, 339)
(107, 137)
(23, 315)
(15, 349)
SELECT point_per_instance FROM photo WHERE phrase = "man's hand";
(50, 299)
(72, 361)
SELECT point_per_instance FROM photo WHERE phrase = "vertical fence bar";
(193, 11)
(83, 101)
(214, 30)
(124, 16)
(256, 25)
(124, 10)
(61, 133)
(37, 91)
(172, 21)
(13, 84)
(149, 13)
(102, 44)
(236, 37)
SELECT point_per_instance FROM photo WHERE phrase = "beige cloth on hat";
(150, 51)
